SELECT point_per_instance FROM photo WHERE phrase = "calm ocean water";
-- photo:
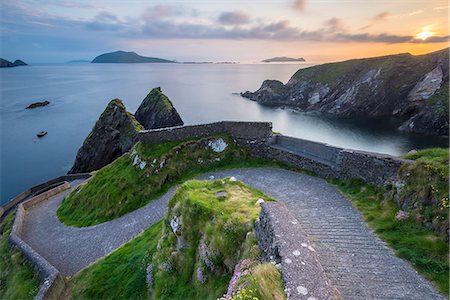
(201, 93)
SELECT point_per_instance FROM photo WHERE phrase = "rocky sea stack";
(116, 130)
(114, 133)
(157, 111)
(413, 89)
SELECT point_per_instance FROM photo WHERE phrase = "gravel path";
(359, 264)
(70, 249)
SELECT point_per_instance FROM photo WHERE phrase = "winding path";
(358, 263)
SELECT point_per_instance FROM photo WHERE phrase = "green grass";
(263, 282)
(426, 251)
(120, 187)
(425, 188)
(122, 274)
(17, 278)
(224, 224)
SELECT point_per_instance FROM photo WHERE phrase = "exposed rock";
(401, 215)
(7, 64)
(157, 111)
(38, 104)
(218, 145)
(114, 133)
(414, 89)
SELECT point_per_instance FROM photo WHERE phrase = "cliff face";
(157, 111)
(114, 133)
(412, 88)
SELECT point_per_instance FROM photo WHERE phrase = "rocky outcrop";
(37, 104)
(157, 111)
(114, 133)
(413, 89)
(7, 64)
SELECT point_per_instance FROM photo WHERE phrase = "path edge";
(53, 283)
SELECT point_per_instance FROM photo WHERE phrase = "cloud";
(334, 25)
(233, 18)
(441, 7)
(416, 12)
(300, 4)
(383, 16)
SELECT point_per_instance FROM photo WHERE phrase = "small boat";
(41, 134)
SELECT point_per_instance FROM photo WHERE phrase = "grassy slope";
(425, 192)
(411, 241)
(122, 274)
(17, 278)
(120, 187)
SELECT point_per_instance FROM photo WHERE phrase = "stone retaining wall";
(245, 133)
(283, 242)
(36, 190)
(53, 283)
(322, 159)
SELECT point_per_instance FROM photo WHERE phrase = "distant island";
(283, 59)
(79, 61)
(127, 57)
(7, 64)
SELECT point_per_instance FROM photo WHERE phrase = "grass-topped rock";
(208, 236)
(203, 249)
(114, 133)
(157, 111)
(145, 173)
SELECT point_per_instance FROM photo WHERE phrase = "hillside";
(7, 64)
(413, 89)
(127, 57)
(283, 59)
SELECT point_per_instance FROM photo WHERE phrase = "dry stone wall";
(322, 159)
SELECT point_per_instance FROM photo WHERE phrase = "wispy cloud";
(383, 16)
(416, 12)
(441, 7)
(234, 18)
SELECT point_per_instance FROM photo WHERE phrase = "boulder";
(157, 111)
(114, 133)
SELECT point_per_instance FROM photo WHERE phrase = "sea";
(201, 93)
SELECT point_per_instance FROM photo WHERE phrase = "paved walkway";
(358, 263)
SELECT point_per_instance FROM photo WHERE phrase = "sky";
(45, 31)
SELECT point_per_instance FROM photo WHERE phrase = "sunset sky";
(41, 31)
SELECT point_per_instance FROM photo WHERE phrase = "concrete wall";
(53, 283)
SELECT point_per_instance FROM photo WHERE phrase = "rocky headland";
(127, 57)
(7, 64)
(413, 89)
(115, 132)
